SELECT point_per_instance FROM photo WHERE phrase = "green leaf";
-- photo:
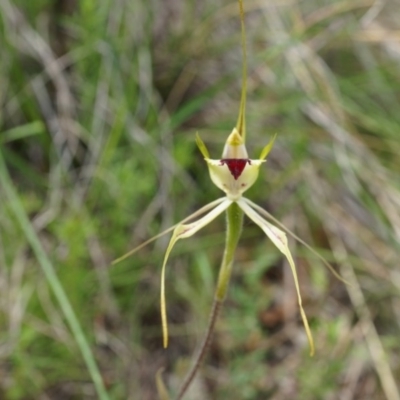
(22, 132)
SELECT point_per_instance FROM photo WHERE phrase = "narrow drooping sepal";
(183, 231)
(161, 389)
(279, 239)
(196, 214)
(261, 211)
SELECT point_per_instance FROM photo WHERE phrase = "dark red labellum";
(235, 165)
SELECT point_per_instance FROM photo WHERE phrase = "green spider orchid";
(234, 173)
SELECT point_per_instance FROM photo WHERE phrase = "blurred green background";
(100, 102)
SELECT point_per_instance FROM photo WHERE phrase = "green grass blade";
(22, 131)
(52, 279)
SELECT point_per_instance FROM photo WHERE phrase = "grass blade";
(52, 278)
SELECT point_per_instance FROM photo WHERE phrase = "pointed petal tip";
(266, 150)
(182, 231)
(234, 146)
(279, 239)
(235, 139)
(202, 147)
(161, 388)
(308, 331)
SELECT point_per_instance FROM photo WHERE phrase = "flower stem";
(234, 219)
(216, 307)
(233, 230)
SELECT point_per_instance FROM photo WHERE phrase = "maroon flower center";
(235, 165)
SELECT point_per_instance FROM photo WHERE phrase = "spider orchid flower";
(234, 173)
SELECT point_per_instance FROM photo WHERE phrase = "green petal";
(161, 389)
(202, 210)
(267, 148)
(202, 147)
(182, 232)
(279, 239)
(294, 236)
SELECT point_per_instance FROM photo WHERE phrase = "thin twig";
(216, 307)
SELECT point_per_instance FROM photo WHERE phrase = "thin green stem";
(234, 218)
(52, 278)
(234, 228)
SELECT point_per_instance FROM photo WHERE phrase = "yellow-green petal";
(224, 180)
(294, 236)
(197, 213)
(202, 147)
(161, 389)
(267, 148)
(279, 239)
(183, 231)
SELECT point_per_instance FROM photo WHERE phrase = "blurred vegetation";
(100, 102)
